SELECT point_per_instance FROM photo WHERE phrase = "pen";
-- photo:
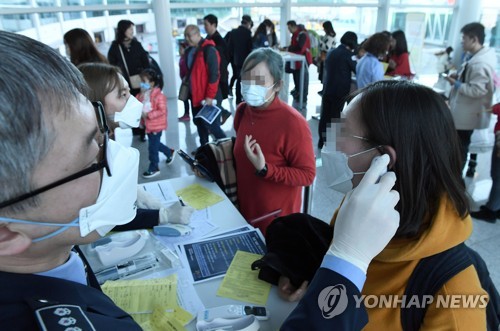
(182, 202)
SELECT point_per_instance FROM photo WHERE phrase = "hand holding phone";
(194, 164)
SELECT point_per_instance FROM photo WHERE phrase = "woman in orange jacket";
(413, 125)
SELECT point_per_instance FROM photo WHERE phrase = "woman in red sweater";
(399, 62)
(154, 114)
(273, 149)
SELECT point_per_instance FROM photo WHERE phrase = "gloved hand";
(146, 200)
(367, 220)
(176, 214)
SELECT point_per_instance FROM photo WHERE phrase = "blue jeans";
(494, 199)
(154, 147)
(203, 127)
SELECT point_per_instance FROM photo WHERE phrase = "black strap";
(89, 273)
(430, 274)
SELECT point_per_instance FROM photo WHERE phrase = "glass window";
(447, 3)
(94, 13)
(139, 2)
(226, 1)
(71, 15)
(117, 12)
(427, 32)
(343, 2)
(15, 23)
(361, 20)
(490, 18)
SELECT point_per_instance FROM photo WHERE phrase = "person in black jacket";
(240, 45)
(126, 46)
(339, 66)
(210, 22)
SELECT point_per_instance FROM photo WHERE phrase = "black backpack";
(432, 272)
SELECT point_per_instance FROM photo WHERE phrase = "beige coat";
(469, 102)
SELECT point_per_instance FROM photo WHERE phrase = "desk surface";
(226, 217)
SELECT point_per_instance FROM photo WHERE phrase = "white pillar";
(466, 12)
(285, 16)
(36, 20)
(382, 15)
(161, 9)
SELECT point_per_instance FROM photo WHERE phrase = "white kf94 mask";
(116, 203)
(130, 116)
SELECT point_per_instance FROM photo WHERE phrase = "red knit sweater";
(402, 65)
(156, 120)
(286, 142)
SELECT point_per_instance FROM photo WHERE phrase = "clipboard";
(195, 164)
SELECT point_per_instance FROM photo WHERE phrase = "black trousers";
(464, 136)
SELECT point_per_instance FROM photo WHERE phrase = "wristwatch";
(262, 172)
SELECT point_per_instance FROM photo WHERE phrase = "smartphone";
(193, 163)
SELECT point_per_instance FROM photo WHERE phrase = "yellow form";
(198, 196)
(140, 298)
(242, 283)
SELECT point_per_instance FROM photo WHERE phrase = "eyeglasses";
(102, 164)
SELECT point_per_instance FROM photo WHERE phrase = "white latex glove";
(367, 220)
(146, 200)
(176, 214)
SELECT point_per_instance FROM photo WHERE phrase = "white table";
(227, 217)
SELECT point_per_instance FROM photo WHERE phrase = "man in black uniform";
(57, 192)
(64, 183)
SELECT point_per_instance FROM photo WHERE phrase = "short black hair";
(291, 23)
(350, 39)
(153, 76)
(212, 19)
(246, 19)
(474, 30)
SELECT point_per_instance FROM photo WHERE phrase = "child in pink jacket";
(154, 114)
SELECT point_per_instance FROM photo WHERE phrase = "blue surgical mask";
(145, 86)
(116, 203)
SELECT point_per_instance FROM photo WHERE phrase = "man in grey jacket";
(472, 92)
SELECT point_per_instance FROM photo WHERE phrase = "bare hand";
(209, 101)
(254, 153)
(451, 80)
(197, 173)
(290, 293)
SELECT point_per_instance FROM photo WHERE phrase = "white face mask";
(130, 116)
(255, 95)
(116, 203)
(338, 174)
